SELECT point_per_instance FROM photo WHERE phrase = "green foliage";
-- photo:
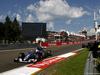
(1, 31)
(10, 31)
(7, 30)
(16, 30)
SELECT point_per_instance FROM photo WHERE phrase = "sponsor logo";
(52, 44)
(63, 43)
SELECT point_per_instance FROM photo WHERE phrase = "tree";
(16, 30)
(8, 29)
(1, 31)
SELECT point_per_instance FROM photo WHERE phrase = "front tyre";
(21, 55)
(16, 60)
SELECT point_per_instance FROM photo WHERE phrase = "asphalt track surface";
(7, 56)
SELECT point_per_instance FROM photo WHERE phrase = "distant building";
(66, 36)
(76, 37)
(57, 36)
(83, 32)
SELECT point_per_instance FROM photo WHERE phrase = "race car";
(33, 56)
(94, 47)
(88, 45)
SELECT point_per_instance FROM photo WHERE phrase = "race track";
(7, 56)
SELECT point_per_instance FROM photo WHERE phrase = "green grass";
(74, 65)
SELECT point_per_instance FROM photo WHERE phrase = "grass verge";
(74, 65)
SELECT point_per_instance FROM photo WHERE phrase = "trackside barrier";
(52, 44)
(17, 46)
(90, 67)
(88, 61)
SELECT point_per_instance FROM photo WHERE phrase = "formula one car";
(94, 47)
(88, 45)
(33, 56)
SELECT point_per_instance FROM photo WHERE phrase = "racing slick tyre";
(38, 57)
(16, 60)
(21, 55)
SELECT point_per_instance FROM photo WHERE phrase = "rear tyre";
(38, 57)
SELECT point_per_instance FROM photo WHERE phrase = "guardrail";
(17, 46)
(90, 68)
(52, 44)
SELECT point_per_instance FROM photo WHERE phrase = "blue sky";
(69, 15)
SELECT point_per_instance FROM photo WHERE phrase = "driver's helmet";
(39, 48)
